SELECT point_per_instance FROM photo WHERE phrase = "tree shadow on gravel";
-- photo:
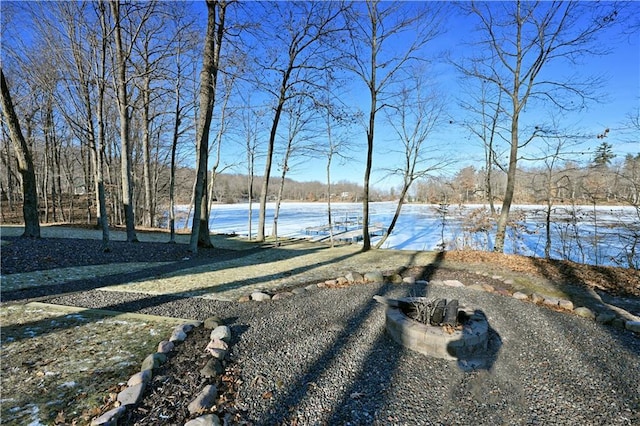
(148, 301)
(85, 284)
(374, 380)
(183, 261)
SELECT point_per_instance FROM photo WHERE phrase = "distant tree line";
(614, 181)
(126, 109)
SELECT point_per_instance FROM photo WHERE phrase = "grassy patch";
(65, 275)
(62, 364)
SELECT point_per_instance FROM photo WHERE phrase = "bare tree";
(556, 149)
(208, 81)
(306, 42)
(25, 163)
(298, 117)
(121, 55)
(336, 118)
(414, 119)
(485, 123)
(225, 115)
(519, 41)
(86, 85)
(150, 56)
(250, 122)
(372, 32)
(178, 116)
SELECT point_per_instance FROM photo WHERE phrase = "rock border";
(218, 348)
(625, 320)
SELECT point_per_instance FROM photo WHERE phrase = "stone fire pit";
(466, 339)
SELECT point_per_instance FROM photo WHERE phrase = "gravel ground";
(323, 358)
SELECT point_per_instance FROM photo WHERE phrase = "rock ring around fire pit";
(467, 341)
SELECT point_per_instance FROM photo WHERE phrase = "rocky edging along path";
(202, 404)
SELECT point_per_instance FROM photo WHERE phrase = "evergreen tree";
(604, 154)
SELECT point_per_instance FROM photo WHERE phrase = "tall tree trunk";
(174, 148)
(8, 169)
(45, 180)
(396, 215)
(208, 81)
(57, 169)
(264, 193)
(366, 239)
(25, 164)
(123, 110)
(146, 150)
(511, 182)
(285, 169)
(103, 217)
(329, 158)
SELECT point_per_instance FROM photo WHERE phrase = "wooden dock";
(321, 233)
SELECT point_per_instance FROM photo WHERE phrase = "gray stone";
(476, 287)
(536, 298)
(395, 278)
(354, 277)
(204, 401)
(149, 363)
(132, 394)
(374, 277)
(165, 346)
(566, 304)
(212, 368)
(110, 418)
(551, 301)
(153, 361)
(221, 332)
(453, 283)
(632, 326)
(282, 295)
(187, 327)
(298, 290)
(509, 281)
(329, 282)
(212, 322)
(217, 353)
(259, 296)
(584, 312)
(605, 317)
(520, 296)
(141, 377)
(178, 335)
(206, 420)
(409, 280)
(311, 287)
(218, 344)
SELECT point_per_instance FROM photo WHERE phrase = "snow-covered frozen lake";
(604, 236)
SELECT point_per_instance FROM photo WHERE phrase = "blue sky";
(622, 88)
(620, 69)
